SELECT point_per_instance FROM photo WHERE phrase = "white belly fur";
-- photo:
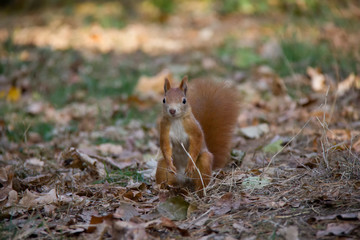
(179, 156)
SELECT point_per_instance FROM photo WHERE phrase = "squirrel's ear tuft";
(167, 85)
(183, 84)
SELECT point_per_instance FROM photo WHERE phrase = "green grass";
(8, 230)
(299, 55)
(121, 177)
(238, 57)
(102, 140)
(19, 130)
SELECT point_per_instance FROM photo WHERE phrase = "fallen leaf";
(339, 134)
(273, 147)
(14, 94)
(35, 164)
(12, 198)
(237, 156)
(133, 195)
(345, 85)
(174, 208)
(128, 230)
(110, 148)
(239, 226)
(6, 179)
(95, 220)
(317, 79)
(153, 86)
(256, 182)
(166, 222)
(74, 158)
(225, 204)
(35, 108)
(38, 180)
(336, 229)
(289, 233)
(275, 205)
(33, 199)
(49, 209)
(254, 132)
(356, 146)
(125, 212)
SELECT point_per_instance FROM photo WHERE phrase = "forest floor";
(79, 143)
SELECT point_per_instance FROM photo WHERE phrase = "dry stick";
(287, 144)
(325, 127)
(197, 169)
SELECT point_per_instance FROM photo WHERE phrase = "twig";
(294, 215)
(197, 169)
(287, 144)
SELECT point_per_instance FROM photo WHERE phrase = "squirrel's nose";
(172, 111)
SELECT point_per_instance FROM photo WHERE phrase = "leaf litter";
(91, 173)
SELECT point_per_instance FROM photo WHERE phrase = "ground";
(80, 97)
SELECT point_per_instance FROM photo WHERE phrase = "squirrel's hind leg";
(163, 174)
(204, 164)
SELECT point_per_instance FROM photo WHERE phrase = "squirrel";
(196, 126)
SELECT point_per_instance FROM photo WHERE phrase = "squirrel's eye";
(184, 100)
(164, 100)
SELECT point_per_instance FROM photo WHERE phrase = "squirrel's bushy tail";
(216, 106)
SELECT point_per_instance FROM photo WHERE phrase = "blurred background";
(115, 54)
(89, 75)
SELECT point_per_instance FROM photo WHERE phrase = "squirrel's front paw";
(190, 169)
(172, 167)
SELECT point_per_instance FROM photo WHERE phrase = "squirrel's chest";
(178, 133)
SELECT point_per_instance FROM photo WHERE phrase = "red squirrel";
(199, 119)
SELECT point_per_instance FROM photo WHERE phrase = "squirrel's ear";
(167, 85)
(183, 84)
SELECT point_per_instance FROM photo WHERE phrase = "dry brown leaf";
(110, 148)
(153, 86)
(345, 85)
(6, 178)
(339, 134)
(128, 230)
(240, 227)
(133, 195)
(356, 146)
(49, 209)
(337, 229)
(317, 79)
(34, 199)
(289, 233)
(275, 205)
(125, 212)
(38, 180)
(74, 158)
(168, 223)
(225, 204)
(35, 164)
(12, 198)
(95, 220)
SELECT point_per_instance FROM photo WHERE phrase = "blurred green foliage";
(164, 6)
(298, 7)
(296, 56)
(122, 176)
(19, 131)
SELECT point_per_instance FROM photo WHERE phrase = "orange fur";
(203, 125)
(216, 107)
